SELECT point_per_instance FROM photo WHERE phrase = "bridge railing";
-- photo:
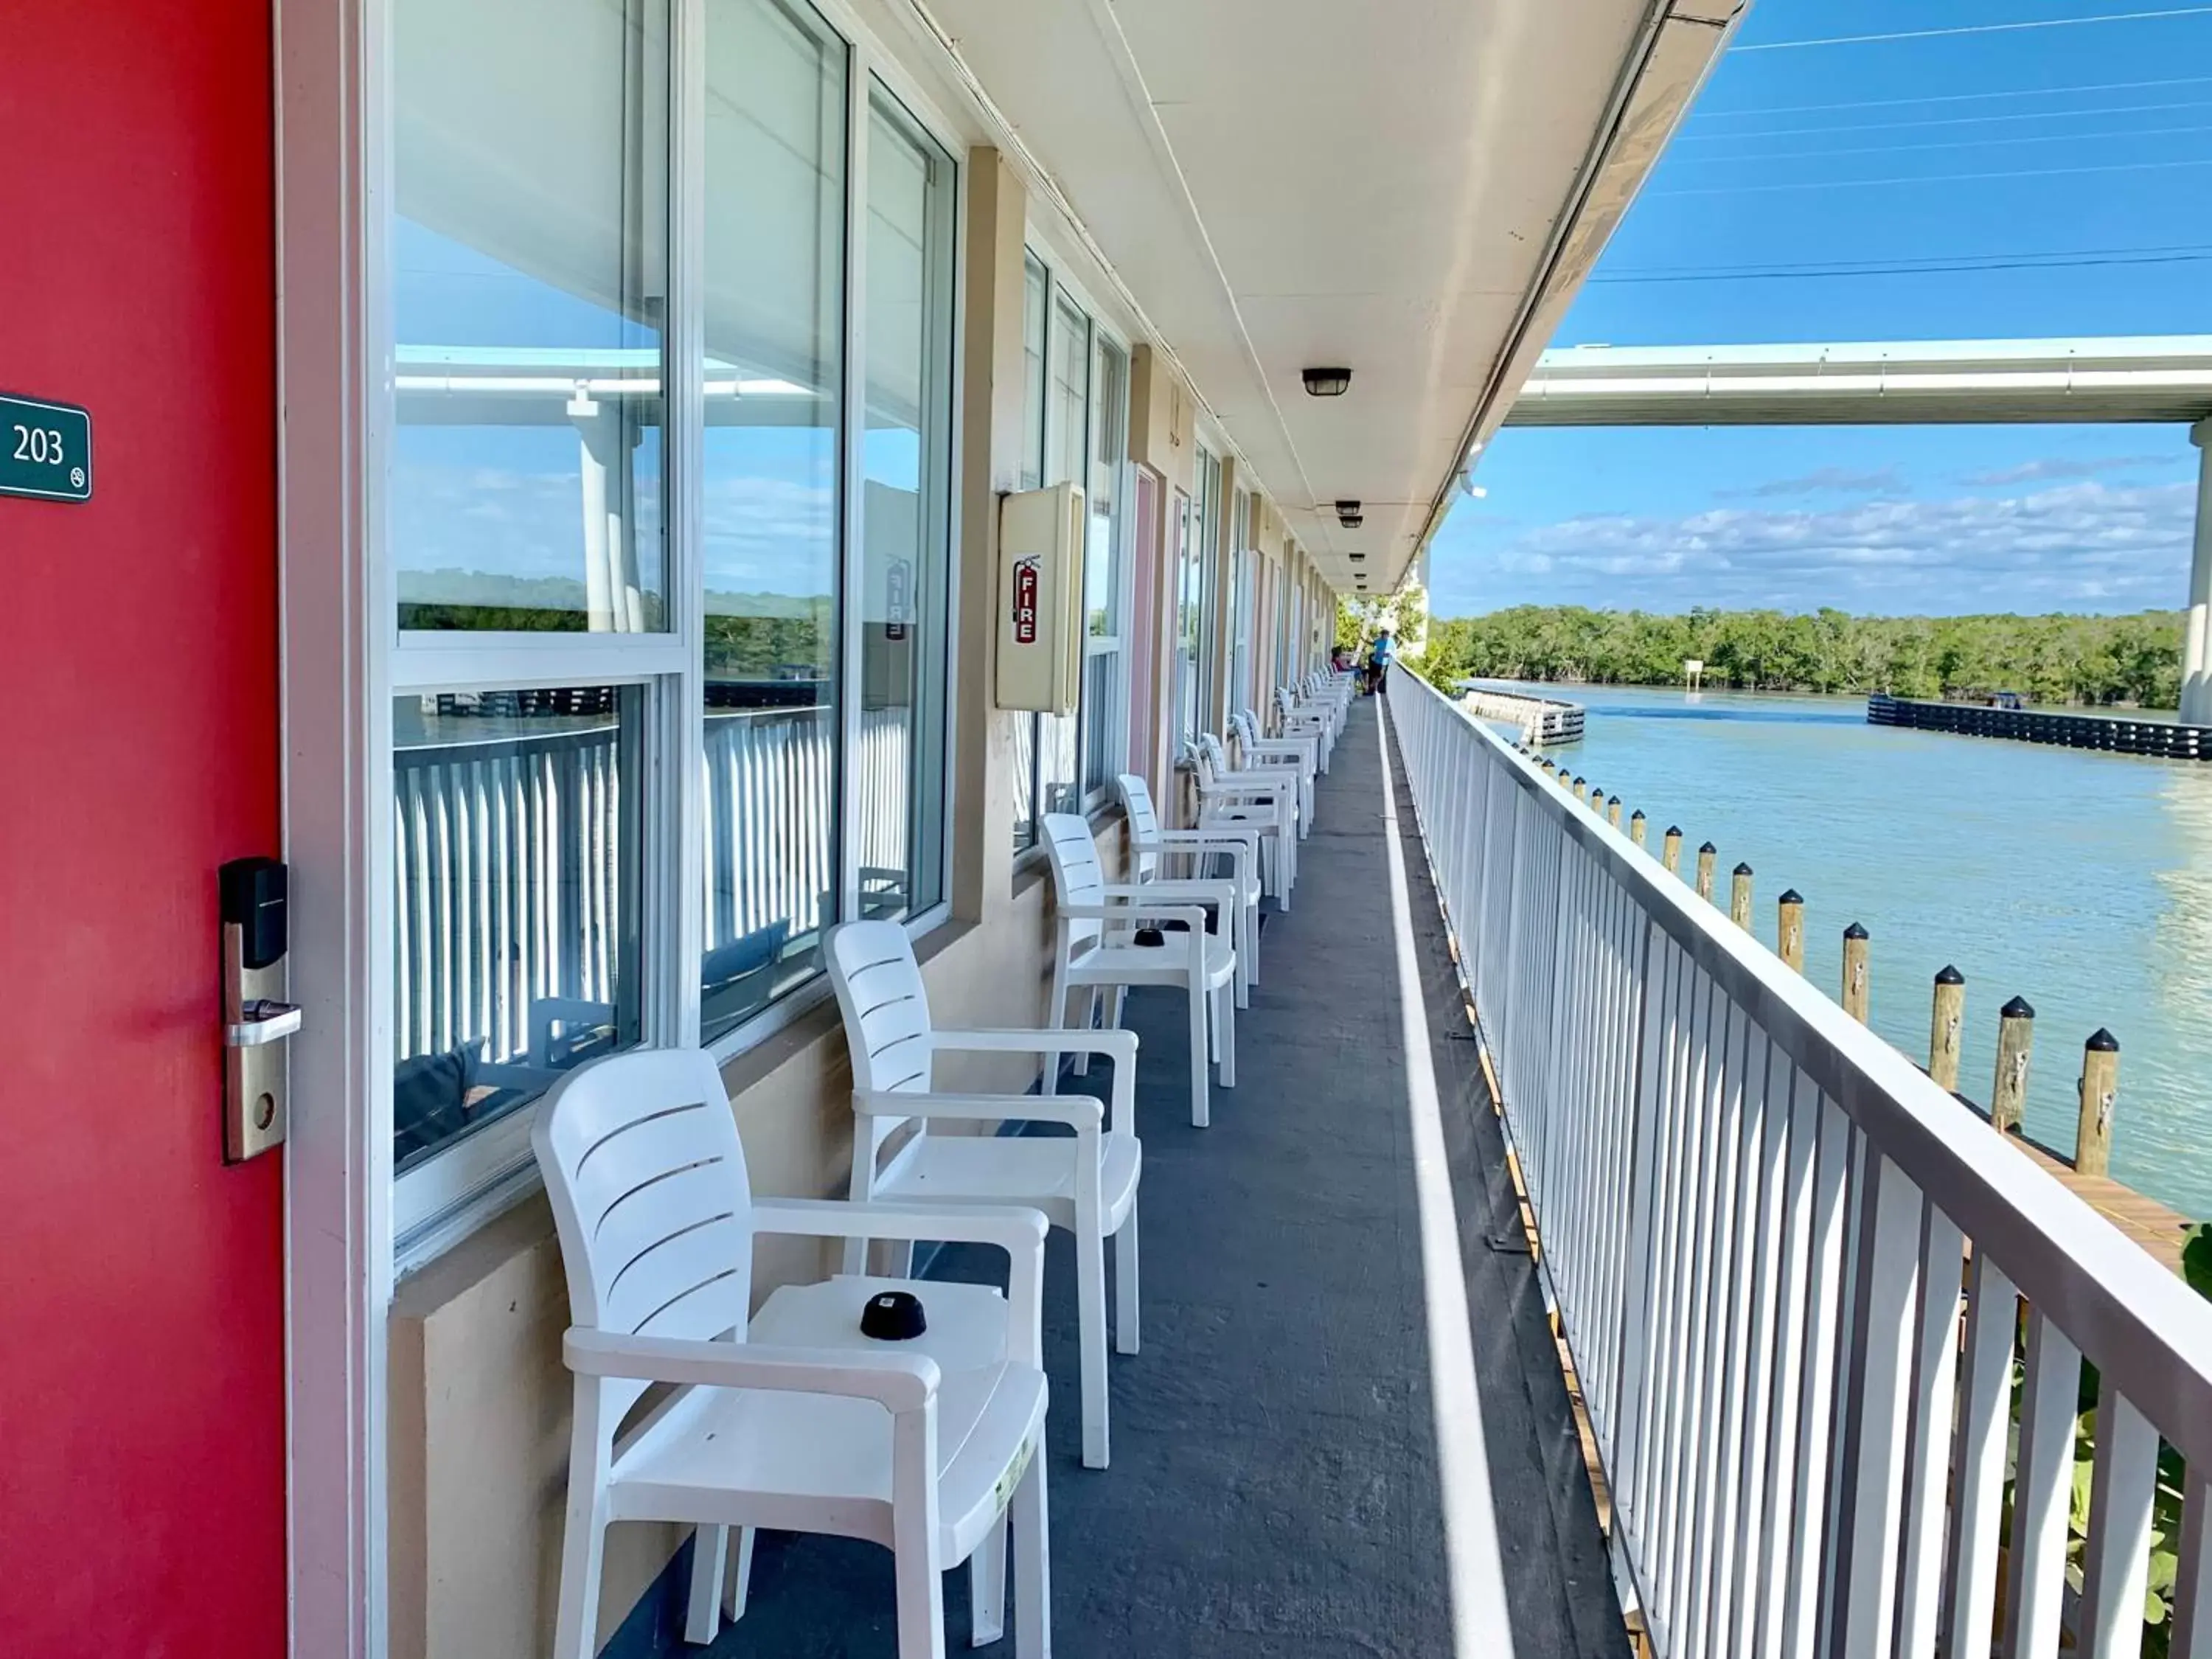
(1798, 1279)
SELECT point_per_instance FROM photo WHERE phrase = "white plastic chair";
(1267, 806)
(1094, 920)
(1085, 1184)
(1152, 850)
(1300, 753)
(930, 1446)
(1293, 718)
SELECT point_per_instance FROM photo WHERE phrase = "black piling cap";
(1709, 847)
(1856, 930)
(1743, 869)
(1637, 816)
(1947, 974)
(1793, 896)
(1578, 777)
(2018, 1008)
(1674, 829)
(2102, 1041)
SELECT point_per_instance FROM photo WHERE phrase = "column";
(2197, 628)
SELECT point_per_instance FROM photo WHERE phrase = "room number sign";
(45, 449)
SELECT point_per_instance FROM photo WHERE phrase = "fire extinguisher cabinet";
(1041, 599)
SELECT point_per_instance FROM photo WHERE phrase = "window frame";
(461, 1186)
(1044, 440)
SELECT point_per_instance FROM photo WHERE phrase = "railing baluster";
(1808, 1541)
(2192, 1584)
(1871, 1492)
(2117, 1567)
(1936, 1389)
(2035, 1584)
(1984, 1433)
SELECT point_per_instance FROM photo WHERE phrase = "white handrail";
(1766, 1233)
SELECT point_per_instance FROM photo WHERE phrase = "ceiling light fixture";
(1349, 515)
(1326, 382)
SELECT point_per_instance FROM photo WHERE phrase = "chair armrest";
(1171, 889)
(897, 1382)
(1118, 1046)
(1079, 1112)
(1014, 1230)
(1019, 1232)
(1189, 915)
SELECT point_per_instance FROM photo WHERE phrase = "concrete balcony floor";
(1275, 1487)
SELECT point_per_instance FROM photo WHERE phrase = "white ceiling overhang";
(1412, 189)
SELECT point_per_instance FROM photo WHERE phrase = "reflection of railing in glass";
(506, 892)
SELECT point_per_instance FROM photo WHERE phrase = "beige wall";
(479, 1399)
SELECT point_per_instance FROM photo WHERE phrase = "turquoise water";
(2083, 882)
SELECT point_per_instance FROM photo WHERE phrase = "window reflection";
(909, 258)
(515, 841)
(528, 266)
(774, 264)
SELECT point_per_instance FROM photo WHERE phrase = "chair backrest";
(886, 1011)
(1210, 746)
(1245, 729)
(1144, 825)
(1077, 877)
(646, 1178)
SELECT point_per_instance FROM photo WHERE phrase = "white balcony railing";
(1797, 1277)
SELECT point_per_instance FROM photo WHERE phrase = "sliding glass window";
(774, 288)
(1076, 424)
(667, 531)
(898, 772)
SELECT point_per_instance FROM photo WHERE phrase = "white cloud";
(1829, 481)
(2052, 467)
(2088, 544)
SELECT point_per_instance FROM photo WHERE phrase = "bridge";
(2150, 378)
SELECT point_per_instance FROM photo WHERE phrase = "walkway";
(1275, 1487)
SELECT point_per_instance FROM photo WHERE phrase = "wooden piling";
(1581, 792)
(2100, 1083)
(1856, 988)
(1613, 812)
(1705, 855)
(1670, 851)
(1740, 897)
(1789, 929)
(1946, 1019)
(2015, 1036)
(1636, 826)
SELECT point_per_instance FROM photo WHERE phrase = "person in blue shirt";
(1378, 661)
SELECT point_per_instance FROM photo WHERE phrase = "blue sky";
(2068, 167)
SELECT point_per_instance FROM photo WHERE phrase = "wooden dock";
(1541, 721)
(2150, 1223)
(2118, 734)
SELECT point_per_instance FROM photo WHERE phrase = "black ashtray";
(893, 1316)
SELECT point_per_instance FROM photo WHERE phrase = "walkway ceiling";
(1410, 188)
(1900, 382)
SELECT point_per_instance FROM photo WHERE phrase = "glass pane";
(1056, 784)
(1109, 422)
(776, 171)
(514, 914)
(1068, 432)
(1024, 773)
(903, 625)
(1186, 619)
(1035, 292)
(1101, 719)
(529, 276)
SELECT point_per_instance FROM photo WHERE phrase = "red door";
(142, 1380)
